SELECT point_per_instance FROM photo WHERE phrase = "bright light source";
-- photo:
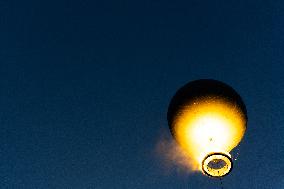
(208, 124)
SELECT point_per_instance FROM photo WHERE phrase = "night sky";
(85, 86)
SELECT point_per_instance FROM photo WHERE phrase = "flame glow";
(208, 125)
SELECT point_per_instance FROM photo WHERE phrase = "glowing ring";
(214, 158)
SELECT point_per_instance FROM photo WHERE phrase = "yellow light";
(209, 125)
(217, 164)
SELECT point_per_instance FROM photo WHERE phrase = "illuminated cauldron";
(208, 119)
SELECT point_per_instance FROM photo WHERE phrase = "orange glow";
(207, 125)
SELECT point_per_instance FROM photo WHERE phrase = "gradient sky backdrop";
(85, 86)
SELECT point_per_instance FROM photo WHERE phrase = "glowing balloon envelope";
(208, 119)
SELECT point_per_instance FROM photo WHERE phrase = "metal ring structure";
(212, 160)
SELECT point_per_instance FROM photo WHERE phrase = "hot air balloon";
(208, 119)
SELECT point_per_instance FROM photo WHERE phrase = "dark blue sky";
(85, 86)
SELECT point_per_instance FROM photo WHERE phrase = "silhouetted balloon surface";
(208, 119)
